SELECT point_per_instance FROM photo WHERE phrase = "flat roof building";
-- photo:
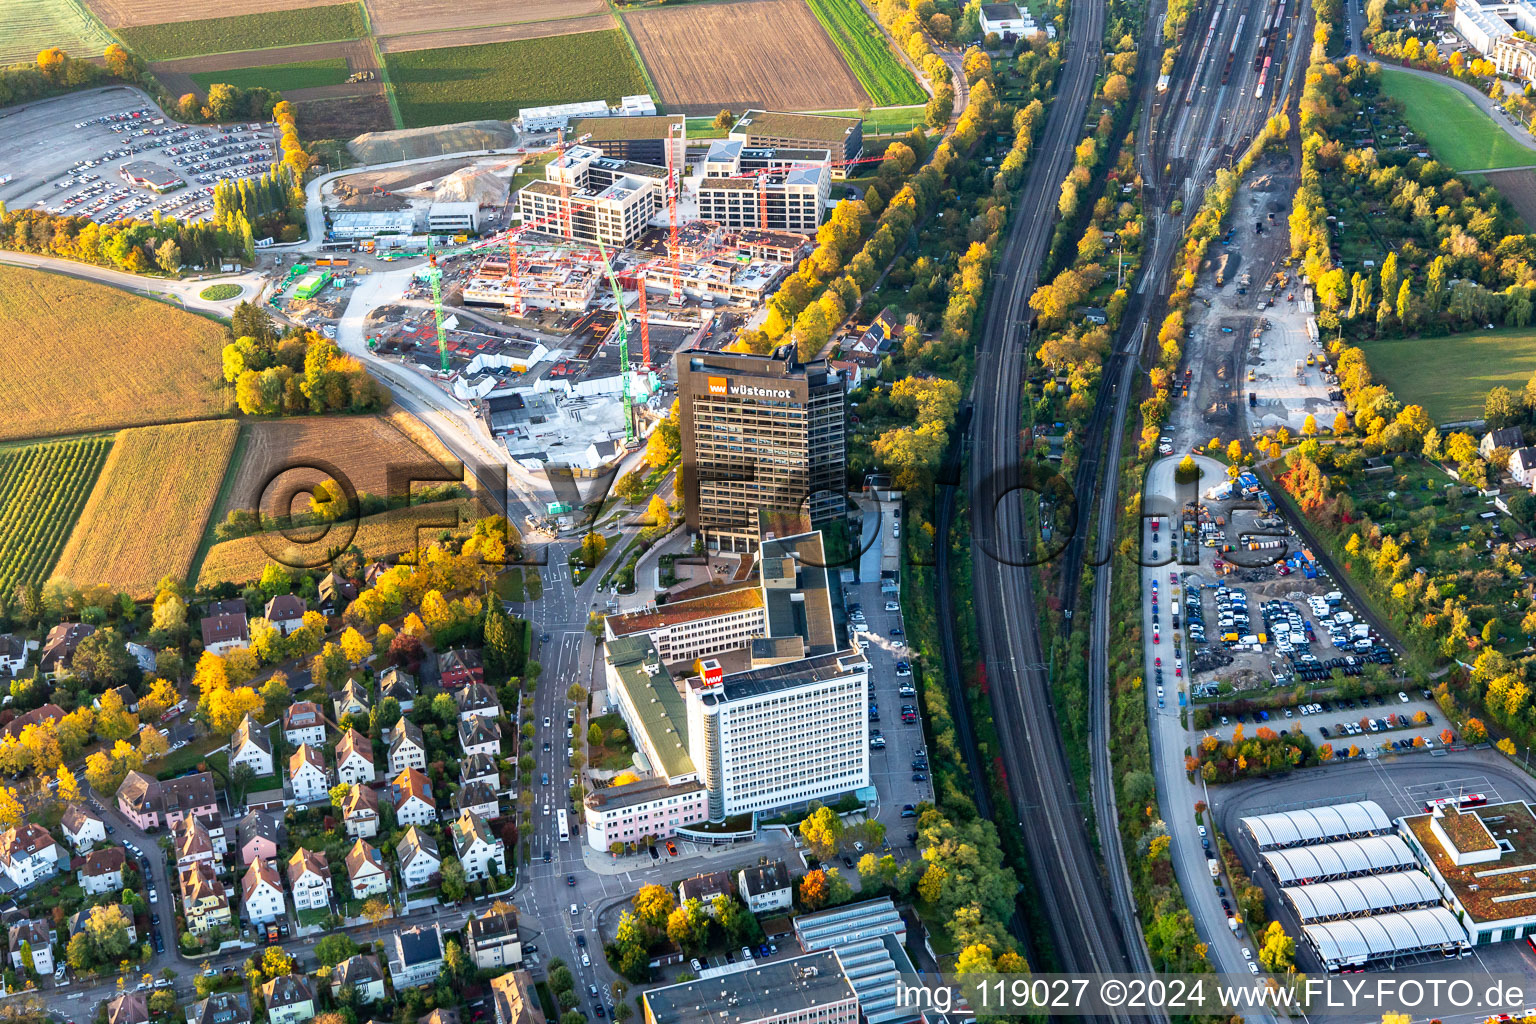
(593, 198)
(808, 989)
(1480, 861)
(843, 136)
(635, 138)
(779, 736)
(153, 176)
(560, 115)
(352, 224)
(760, 434)
(453, 218)
(776, 189)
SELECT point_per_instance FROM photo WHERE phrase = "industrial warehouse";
(1363, 896)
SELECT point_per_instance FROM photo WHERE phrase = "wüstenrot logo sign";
(721, 386)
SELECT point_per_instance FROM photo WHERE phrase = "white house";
(251, 747)
(479, 768)
(366, 874)
(415, 955)
(480, 798)
(285, 613)
(262, 892)
(13, 654)
(1522, 466)
(28, 855)
(479, 735)
(309, 878)
(289, 999)
(396, 682)
(303, 723)
(493, 939)
(102, 870)
(362, 974)
(38, 937)
(765, 887)
(354, 759)
(307, 775)
(407, 748)
(192, 842)
(1005, 20)
(360, 812)
(479, 849)
(411, 795)
(352, 700)
(477, 699)
(419, 859)
(82, 828)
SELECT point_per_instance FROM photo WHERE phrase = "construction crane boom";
(434, 276)
(623, 328)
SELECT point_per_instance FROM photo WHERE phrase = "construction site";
(555, 309)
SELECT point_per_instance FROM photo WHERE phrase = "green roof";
(613, 129)
(663, 714)
(777, 124)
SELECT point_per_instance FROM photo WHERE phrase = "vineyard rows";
(42, 490)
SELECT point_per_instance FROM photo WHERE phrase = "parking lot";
(64, 155)
(1376, 725)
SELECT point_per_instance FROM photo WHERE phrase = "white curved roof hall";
(1326, 861)
(1368, 894)
(1317, 824)
(1370, 938)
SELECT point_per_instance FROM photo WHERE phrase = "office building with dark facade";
(762, 435)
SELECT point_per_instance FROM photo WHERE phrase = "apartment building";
(774, 189)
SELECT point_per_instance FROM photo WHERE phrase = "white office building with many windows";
(780, 735)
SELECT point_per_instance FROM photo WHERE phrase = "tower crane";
(630, 438)
(433, 275)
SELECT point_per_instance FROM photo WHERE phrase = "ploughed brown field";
(287, 457)
(393, 17)
(752, 53)
(120, 13)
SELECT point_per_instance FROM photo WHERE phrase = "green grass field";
(492, 80)
(864, 46)
(1451, 376)
(308, 74)
(1460, 135)
(34, 25)
(246, 32)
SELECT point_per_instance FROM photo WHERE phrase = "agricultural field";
(467, 83)
(864, 45)
(286, 458)
(246, 32)
(402, 17)
(124, 13)
(389, 533)
(1460, 134)
(751, 53)
(1451, 376)
(34, 25)
(80, 362)
(42, 488)
(496, 33)
(150, 506)
(308, 74)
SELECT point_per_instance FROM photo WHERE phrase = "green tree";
(453, 884)
(822, 831)
(334, 948)
(168, 256)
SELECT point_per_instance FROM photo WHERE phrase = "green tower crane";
(624, 368)
(434, 276)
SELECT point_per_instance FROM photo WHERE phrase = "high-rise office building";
(761, 435)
